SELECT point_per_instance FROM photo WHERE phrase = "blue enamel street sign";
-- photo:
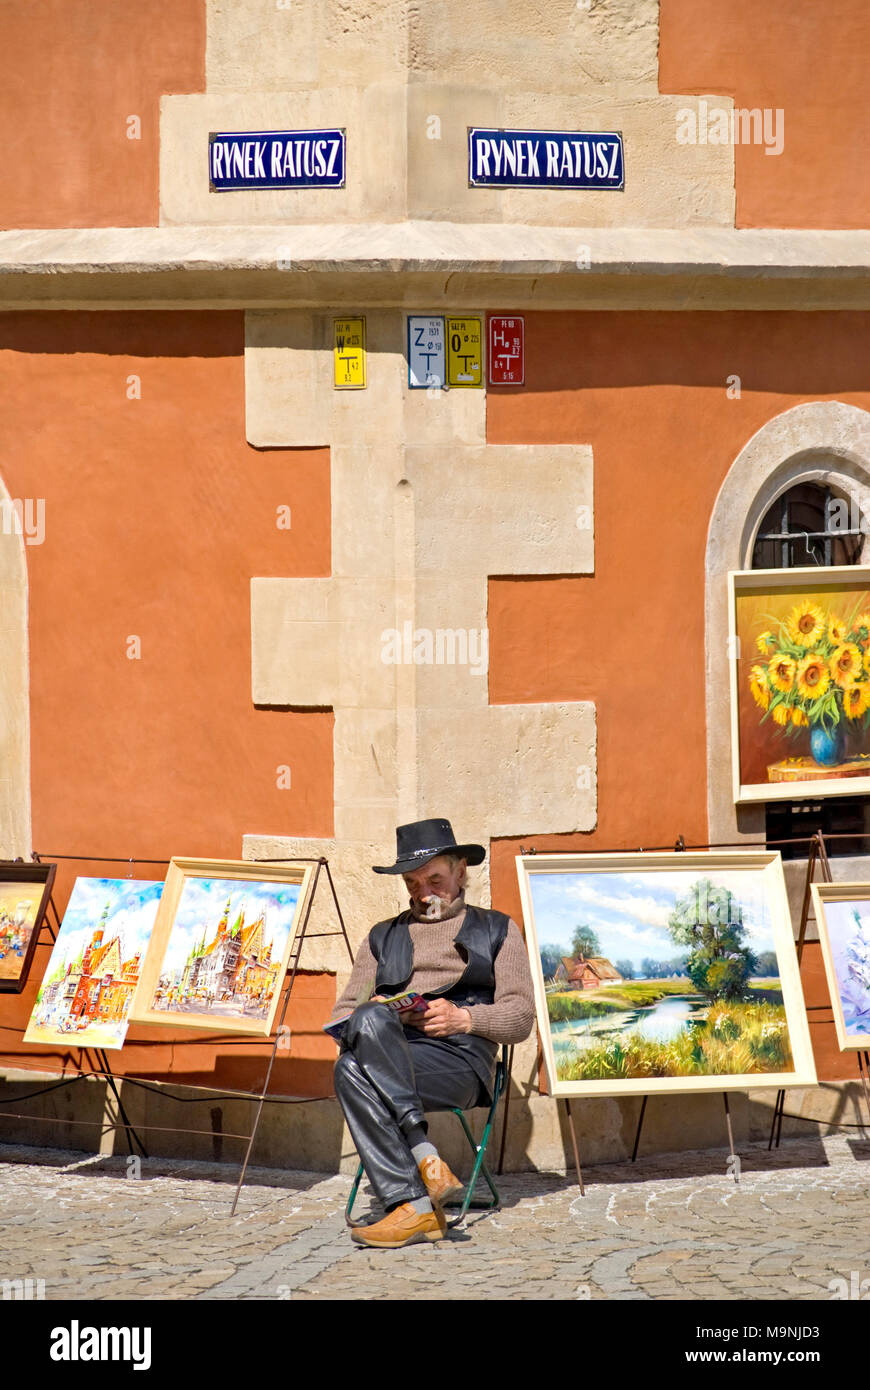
(545, 159)
(275, 159)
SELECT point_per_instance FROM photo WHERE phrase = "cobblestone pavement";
(672, 1227)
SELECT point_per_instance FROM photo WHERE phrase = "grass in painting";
(735, 1039)
(593, 1003)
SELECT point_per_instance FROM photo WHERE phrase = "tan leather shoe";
(403, 1226)
(440, 1183)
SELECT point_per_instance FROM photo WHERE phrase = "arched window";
(808, 525)
(795, 495)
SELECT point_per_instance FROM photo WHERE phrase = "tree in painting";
(551, 957)
(585, 942)
(709, 920)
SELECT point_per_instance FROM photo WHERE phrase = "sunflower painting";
(800, 682)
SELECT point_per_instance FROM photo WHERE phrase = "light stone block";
(15, 804)
(303, 43)
(511, 769)
(451, 628)
(318, 642)
(294, 647)
(454, 418)
(438, 117)
(290, 398)
(365, 481)
(666, 184)
(559, 46)
(372, 116)
(250, 43)
(508, 509)
(288, 379)
(365, 747)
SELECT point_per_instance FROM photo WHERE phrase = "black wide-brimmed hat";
(423, 840)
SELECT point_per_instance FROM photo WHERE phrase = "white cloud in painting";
(202, 905)
(132, 910)
(629, 911)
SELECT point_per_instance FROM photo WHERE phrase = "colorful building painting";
(580, 972)
(94, 966)
(235, 967)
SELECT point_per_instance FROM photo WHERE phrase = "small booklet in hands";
(399, 1003)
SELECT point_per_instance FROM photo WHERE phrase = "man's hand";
(440, 1019)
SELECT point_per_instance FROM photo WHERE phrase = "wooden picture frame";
(799, 655)
(844, 939)
(221, 945)
(605, 1033)
(86, 990)
(21, 920)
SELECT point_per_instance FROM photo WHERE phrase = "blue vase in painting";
(827, 746)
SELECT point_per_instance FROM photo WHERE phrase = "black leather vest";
(479, 939)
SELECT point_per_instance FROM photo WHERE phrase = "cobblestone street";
(673, 1227)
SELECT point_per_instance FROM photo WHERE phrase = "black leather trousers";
(385, 1078)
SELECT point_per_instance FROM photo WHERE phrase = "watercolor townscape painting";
(664, 972)
(800, 682)
(842, 912)
(24, 894)
(93, 970)
(221, 945)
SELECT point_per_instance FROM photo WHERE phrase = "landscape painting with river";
(665, 978)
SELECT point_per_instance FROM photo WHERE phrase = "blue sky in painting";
(202, 905)
(133, 908)
(629, 911)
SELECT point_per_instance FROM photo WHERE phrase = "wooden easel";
(86, 1066)
(818, 854)
(103, 1068)
(680, 846)
(734, 1161)
(321, 863)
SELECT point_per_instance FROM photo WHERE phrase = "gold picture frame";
(221, 945)
(840, 939)
(590, 922)
(799, 654)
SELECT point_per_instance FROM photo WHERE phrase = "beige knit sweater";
(438, 965)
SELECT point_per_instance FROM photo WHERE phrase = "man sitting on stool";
(471, 966)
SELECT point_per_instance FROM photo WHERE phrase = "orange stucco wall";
(648, 392)
(73, 73)
(157, 516)
(807, 58)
